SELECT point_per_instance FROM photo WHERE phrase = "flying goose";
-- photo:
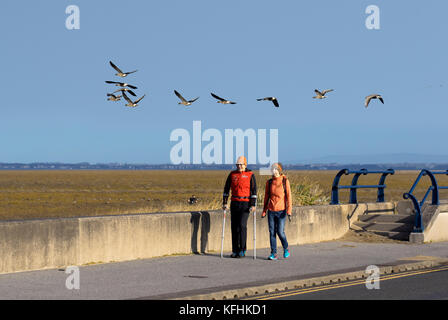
(373, 96)
(221, 100)
(130, 102)
(113, 97)
(273, 99)
(321, 95)
(120, 73)
(183, 101)
(126, 89)
(121, 84)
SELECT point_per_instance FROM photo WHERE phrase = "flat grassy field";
(44, 194)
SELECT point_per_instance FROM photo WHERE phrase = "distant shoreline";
(303, 167)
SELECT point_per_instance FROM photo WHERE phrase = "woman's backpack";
(284, 187)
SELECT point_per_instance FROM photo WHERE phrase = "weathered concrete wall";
(435, 225)
(436, 228)
(322, 223)
(38, 244)
(53, 243)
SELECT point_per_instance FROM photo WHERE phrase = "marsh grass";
(49, 194)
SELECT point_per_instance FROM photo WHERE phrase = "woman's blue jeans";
(276, 222)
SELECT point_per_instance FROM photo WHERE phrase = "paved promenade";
(199, 276)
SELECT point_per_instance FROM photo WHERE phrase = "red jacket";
(243, 186)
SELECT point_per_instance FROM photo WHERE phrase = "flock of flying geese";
(126, 87)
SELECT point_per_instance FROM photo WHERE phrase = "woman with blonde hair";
(277, 205)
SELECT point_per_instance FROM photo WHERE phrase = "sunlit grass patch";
(47, 194)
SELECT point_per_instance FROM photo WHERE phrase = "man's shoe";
(286, 253)
(273, 257)
(234, 255)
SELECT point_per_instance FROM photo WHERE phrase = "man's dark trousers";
(239, 214)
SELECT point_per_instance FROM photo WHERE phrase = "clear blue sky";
(54, 104)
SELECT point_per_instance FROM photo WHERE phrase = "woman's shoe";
(286, 253)
(273, 256)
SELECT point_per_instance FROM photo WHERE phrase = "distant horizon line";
(285, 164)
(321, 161)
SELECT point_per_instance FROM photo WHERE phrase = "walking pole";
(223, 229)
(255, 232)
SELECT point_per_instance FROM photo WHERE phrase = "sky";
(54, 106)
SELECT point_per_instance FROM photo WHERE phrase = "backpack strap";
(284, 188)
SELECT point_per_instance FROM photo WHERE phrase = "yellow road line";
(347, 284)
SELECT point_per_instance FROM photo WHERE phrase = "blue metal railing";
(353, 187)
(434, 187)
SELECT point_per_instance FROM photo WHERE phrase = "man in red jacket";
(244, 196)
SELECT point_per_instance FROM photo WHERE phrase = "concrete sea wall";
(54, 243)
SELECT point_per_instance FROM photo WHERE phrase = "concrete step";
(397, 218)
(386, 226)
(404, 236)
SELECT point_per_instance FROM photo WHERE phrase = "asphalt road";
(429, 284)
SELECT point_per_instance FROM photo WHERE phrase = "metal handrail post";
(435, 190)
(353, 198)
(380, 197)
(335, 186)
(418, 214)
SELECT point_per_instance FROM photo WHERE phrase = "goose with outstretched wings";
(273, 99)
(221, 100)
(321, 95)
(130, 102)
(183, 100)
(119, 72)
(372, 96)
